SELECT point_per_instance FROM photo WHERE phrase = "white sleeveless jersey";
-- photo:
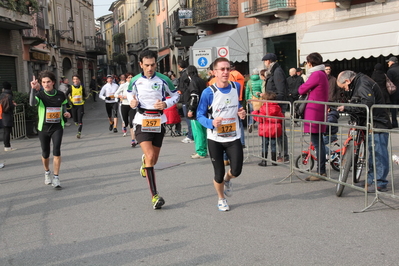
(226, 106)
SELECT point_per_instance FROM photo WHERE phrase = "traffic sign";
(223, 52)
(202, 58)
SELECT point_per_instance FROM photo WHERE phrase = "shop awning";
(236, 40)
(353, 38)
(161, 57)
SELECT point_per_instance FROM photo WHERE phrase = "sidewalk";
(103, 214)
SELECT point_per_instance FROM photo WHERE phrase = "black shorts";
(112, 109)
(155, 138)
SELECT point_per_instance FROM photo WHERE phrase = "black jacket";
(195, 89)
(277, 83)
(364, 90)
(379, 77)
(293, 83)
(393, 75)
(8, 115)
(184, 81)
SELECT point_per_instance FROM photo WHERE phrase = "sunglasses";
(223, 69)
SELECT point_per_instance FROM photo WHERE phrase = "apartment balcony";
(207, 14)
(95, 45)
(134, 48)
(151, 44)
(186, 25)
(37, 34)
(52, 37)
(264, 10)
(12, 20)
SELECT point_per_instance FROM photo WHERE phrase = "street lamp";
(70, 25)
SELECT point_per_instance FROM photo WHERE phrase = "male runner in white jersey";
(147, 93)
(219, 111)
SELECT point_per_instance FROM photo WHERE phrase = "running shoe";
(115, 130)
(197, 156)
(187, 140)
(78, 135)
(47, 178)
(9, 149)
(142, 170)
(76, 124)
(157, 202)
(56, 183)
(111, 126)
(222, 205)
(228, 188)
(134, 143)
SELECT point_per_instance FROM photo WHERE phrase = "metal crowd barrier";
(19, 129)
(298, 142)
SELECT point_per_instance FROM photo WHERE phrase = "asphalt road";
(103, 214)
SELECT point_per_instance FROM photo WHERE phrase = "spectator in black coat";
(8, 105)
(379, 77)
(393, 75)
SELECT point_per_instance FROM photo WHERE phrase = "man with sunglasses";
(219, 111)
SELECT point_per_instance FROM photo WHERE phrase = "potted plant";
(30, 111)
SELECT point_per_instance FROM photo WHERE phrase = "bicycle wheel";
(346, 164)
(336, 162)
(359, 163)
(304, 162)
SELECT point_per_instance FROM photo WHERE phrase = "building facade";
(53, 35)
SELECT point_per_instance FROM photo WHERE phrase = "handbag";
(300, 107)
(256, 105)
(391, 88)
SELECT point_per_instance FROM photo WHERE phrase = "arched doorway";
(67, 67)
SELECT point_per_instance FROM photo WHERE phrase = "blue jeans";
(188, 121)
(250, 109)
(329, 139)
(265, 144)
(381, 159)
(283, 140)
(317, 140)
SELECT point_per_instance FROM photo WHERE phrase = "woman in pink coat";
(317, 88)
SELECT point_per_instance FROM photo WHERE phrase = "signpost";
(223, 52)
(202, 58)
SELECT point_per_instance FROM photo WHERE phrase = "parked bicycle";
(306, 160)
(353, 156)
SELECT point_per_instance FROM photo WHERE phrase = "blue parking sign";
(202, 61)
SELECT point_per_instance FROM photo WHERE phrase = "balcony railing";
(95, 45)
(211, 10)
(133, 48)
(38, 32)
(53, 39)
(261, 6)
(151, 43)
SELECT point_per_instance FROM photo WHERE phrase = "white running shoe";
(187, 140)
(222, 205)
(56, 183)
(228, 188)
(47, 178)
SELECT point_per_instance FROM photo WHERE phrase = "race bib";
(53, 114)
(151, 123)
(77, 99)
(228, 128)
